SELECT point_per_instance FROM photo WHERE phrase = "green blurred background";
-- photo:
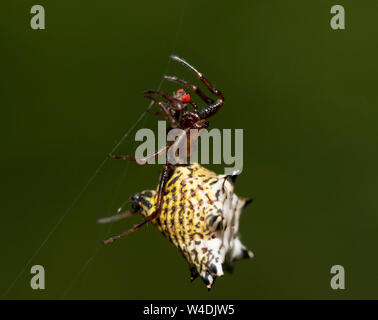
(305, 95)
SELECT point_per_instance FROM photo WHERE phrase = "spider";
(200, 217)
(175, 109)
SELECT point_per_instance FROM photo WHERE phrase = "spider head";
(143, 202)
(181, 95)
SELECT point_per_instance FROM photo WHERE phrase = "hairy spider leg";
(212, 108)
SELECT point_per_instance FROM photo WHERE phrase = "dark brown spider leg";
(141, 160)
(200, 76)
(166, 174)
(155, 113)
(125, 158)
(116, 217)
(178, 105)
(193, 104)
(212, 108)
(168, 117)
(165, 112)
(170, 99)
(193, 87)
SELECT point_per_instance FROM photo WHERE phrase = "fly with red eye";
(175, 109)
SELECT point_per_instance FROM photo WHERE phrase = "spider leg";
(155, 113)
(167, 115)
(170, 99)
(163, 106)
(212, 108)
(125, 158)
(141, 160)
(124, 234)
(193, 104)
(193, 87)
(178, 105)
(116, 217)
(200, 76)
(166, 174)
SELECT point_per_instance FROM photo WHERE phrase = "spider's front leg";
(213, 107)
(210, 109)
(165, 176)
(141, 160)
(192, 87)
(173, 103)
(164, 107)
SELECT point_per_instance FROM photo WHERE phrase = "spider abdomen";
(200, 215)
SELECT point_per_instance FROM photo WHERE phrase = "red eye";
(186, 98)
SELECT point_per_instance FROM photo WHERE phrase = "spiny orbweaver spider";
(196, 209)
